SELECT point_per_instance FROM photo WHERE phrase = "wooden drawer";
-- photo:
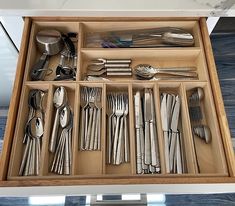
(216, 159)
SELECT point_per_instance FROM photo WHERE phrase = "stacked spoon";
(61, 145)
(34, 130)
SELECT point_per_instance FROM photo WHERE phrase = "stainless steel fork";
(91, 104)
(84, 116)
(98, 104)
(119, 110)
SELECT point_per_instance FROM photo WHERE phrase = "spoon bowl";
(65, 117)
(35, 127)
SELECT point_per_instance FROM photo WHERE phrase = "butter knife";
(165, 128)
(155, 160)
(147, 118)
(137, 129)
(174, 127)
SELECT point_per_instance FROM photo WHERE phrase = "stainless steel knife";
(174, 127)
(165, 128)
(147, 119)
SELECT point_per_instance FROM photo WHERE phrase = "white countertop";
(126, 8)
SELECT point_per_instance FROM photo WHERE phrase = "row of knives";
(147, 151)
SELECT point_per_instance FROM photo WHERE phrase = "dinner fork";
(109, 112)
(126, 133)
(91, 104)
(83, 104)
(119, 111)
(98, 104)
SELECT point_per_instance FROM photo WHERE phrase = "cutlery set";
(53, 42)
(61, 142)
(117, 111)
(173, 142)
(196, 115)
(199, 128)
(34, 130)
(121, 67)
(141, 38)
(147, 150)
(91, 118)
(109, 67)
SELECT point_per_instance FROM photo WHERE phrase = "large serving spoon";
(59, 100)
(146, 71)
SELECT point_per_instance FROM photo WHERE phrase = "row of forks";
(117, 125)
(91, 115)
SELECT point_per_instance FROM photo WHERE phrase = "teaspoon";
(59, 100)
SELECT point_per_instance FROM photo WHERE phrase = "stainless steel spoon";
(30, 160)
(59, 100)
(36, 132)
(146, 71)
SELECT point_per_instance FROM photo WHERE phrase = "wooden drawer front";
(215, 160)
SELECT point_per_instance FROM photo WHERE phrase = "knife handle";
(178, 155)
(147, 148)
(172, 149)
(138, 152)
(153, 145)
(144, 166)
(166, 142)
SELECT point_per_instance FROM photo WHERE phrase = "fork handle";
(120, 143)
(115, 140)
(109, 140)
(126, 141)
(94, 122)
(118, 61)
(82, 134)
(88, 137)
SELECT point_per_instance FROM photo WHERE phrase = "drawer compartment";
(98, 153)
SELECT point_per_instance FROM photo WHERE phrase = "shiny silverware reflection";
(91, 118)
(148, 160)
(117, 126)
(33, 134)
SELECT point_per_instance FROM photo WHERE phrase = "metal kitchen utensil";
(50, 43)
(59, 100)
(147, 119)
(36, 132)
(111, 72)
(92, 67)
(203, 132)
(146, 71)
(62, 159)
(103, 62)
(165, 128)
(31, 156)
(174, 130)
(141, 38)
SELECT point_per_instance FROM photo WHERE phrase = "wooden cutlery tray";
(216, 159)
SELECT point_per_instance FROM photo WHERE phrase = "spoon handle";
(186, 74)
(54, 132)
